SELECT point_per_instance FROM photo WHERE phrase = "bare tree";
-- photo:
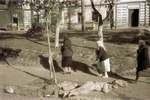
(100, 20)
(58, 24)
(70, 4)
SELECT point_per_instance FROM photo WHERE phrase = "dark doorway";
(134, 17)
(15, 20)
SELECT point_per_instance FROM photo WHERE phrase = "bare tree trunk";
(51, 65)
(111, 19)
(38, 17)
(100, 20)
(69, 18)
(100, 24)
(100, 33)
(58, 28)
(83, 15)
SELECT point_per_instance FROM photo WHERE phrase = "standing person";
(143, 60)
(67, 52)
(103, 59)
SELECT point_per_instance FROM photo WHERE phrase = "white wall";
(123, 11)
(27, 16)
(122, 15)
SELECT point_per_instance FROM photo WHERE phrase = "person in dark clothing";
(103, 59)
(67, 52)
(143, 60)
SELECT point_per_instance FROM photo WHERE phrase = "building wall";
(23, 15)
(75, 23)
(27, 16)
(122, 13)
(4, 18)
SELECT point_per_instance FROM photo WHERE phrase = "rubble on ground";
(89, 87)
(119, 83)
(68, 89)
(9, 89)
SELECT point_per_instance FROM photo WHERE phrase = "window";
(79, 17)
(3, 2)
(94, 16)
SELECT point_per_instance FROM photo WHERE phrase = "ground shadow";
(6, 35)
(83, 46)
(45, 79)
(82, 67)
(115, 36)
(44, 62)
(36, 41)
(125, 97)
(116, 76)
(8, 53)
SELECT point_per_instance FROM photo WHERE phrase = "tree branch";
(99, 15)
(110, 10)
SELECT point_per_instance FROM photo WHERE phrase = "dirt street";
(28, 73)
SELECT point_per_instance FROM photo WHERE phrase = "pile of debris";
(69, 89)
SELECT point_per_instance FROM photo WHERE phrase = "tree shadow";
(82, 67)
(26, 72)
(44, 62)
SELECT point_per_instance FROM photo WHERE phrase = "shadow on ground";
(125, 97)
(5, 35)
(8, 53)
(117, 76)
(31, 74)
(76, 65)
(44, 62)
(115, 36)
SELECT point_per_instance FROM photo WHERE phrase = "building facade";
(132, 13)
(126, 13)
(13, 17)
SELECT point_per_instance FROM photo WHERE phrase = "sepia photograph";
(74, 49)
